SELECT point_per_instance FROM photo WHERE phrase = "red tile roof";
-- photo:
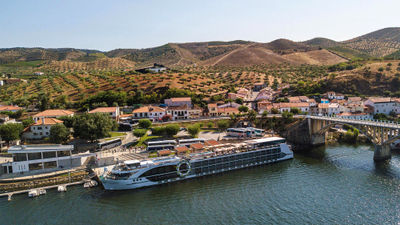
(104, 110)
(9, 108)
(181, 149)
(147, 109)
(47, 121)
(54, 113)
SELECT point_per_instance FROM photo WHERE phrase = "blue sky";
(110, 24)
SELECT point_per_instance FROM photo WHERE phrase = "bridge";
(313, 131)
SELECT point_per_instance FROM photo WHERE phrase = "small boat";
(62, 188)
(90, 183)
(42, 191)
(33, 193)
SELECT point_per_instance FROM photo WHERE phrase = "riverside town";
(221, 124)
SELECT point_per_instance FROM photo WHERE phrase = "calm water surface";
(333, 185)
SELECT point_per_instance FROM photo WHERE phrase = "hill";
(378, 43)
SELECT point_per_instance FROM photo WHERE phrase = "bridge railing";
(379, 123)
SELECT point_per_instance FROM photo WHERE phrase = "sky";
(110, 24)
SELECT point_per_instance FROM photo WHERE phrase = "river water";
(333, 185)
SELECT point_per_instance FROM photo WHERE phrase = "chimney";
(42, 120)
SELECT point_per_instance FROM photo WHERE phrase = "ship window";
(32, 156)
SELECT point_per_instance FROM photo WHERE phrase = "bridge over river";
(312, 131)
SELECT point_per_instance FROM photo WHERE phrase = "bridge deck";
(358, 122)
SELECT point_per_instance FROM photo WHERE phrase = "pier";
(10, 194)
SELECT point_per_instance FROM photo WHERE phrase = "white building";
(42, 158)
(113, 112)
(327, 109)
(153, 113)
(40, 129)
(333, 95)
(382, 105)
(52, 113)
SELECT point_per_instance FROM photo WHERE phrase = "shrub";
(222, 125)
(139, 132)
(194, 130)
(160, 131)
(171, 129)
(210, 124)
(145, 123)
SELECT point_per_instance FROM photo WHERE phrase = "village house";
(52, 113)
(179, 112)
(113, 112)
(382, 105)
(327, 109)
(9, 108)
(153, 113)
(333, 95)
(266, 94)
(182, 101)
(283, 107)
(215, 110)
(259, 86)
(41, 129)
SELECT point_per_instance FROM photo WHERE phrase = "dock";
(10, 194)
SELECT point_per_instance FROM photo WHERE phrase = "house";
(162, 153)
(9, 108)
(354, 100)
(333, 95)
(284, 107)
(298, 99)
(242, 93)
(153, 113)
(212, 109)
(266, 94)
(355, 116)
(113, 112)
(38, 73)
(382, 105)
(324, 100)
(27, 158)
(195, 112)
(40, 129)
(211, 142)
(52, 113)
(227, 111)
(327, 109)
(4, 119)
(178, 101)
(179, 112)
(156, 68)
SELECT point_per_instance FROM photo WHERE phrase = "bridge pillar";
(382, 152)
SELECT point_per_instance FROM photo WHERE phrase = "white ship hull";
(137, 181)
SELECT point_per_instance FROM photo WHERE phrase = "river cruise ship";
(210, 160)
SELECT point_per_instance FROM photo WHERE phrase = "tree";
(295, 110)
(194, 130)
(274, 111)
(243, 108)
(59, 133)
(28, 122)
(145, 123)
(68, 121)
(239, 101)
(210, 124)
(158, 131)
(92, 126)
(139, 132)
(222, 124)
(287, 117)
(252, 116)
(171, 129)
(11, 132)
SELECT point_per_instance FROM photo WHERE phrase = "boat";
(42, 191)
(90, 183)
(220, 158)
(33, 193)
(62, 188)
